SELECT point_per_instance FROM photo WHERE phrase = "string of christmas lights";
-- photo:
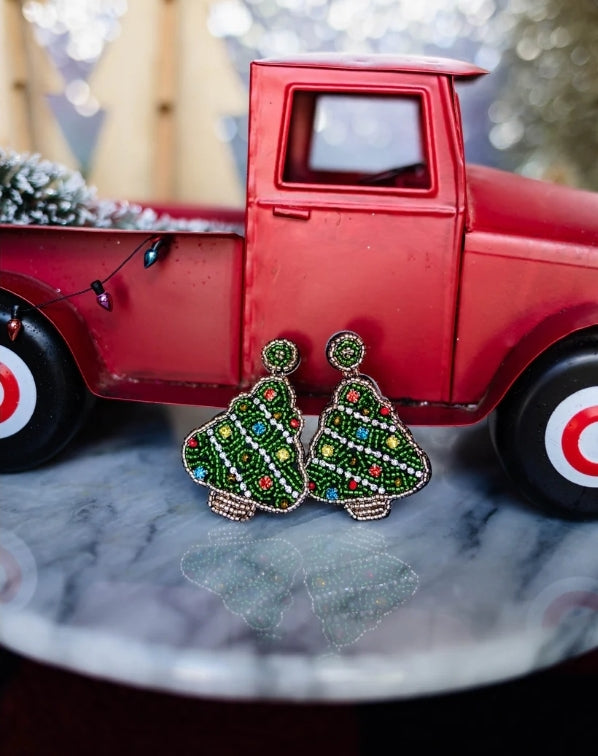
(151, 255)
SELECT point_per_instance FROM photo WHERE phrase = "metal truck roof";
(378, 62)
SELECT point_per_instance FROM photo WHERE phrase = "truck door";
(358, 227)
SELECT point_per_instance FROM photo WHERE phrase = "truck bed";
(174, 329)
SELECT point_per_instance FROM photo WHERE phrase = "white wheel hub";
(571, 437)
(18, 394)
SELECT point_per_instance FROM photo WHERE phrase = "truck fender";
(65, 320)
(572, 324)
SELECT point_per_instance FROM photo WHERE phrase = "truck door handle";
(292, 212)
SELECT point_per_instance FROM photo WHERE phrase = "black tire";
(545, 431)
(44, 400)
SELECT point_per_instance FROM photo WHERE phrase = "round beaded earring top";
(280, 357)
(345, 351)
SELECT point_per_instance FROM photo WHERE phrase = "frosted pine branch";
(34, 191)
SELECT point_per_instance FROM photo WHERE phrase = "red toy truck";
(474, 289)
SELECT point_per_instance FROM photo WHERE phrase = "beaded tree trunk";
(251, 456)
(362, 456)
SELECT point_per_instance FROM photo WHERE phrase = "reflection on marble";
(112, 564)
(253, 576)
(351, 579)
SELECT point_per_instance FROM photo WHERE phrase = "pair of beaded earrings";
(361, 456)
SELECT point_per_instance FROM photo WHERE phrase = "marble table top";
(112, 565)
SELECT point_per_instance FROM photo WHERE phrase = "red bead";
(311, 485)
(375, 471)
(352, 396)
(352, 485)
(192, 442)
(265, 482)
(269, 394)
(294, 422)
(384, 411)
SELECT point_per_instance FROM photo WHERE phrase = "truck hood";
(507, 203)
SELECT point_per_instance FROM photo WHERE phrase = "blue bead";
(331, 493)
(200, 473)
(258, 428)
(362, 433)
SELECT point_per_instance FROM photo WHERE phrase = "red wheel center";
(571, 438)
(10, 393)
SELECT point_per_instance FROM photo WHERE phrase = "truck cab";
(356, 212)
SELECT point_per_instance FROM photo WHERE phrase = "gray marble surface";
(111, 564)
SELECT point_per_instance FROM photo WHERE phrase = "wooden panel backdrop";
(164, 82)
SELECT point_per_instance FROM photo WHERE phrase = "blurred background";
(148, 98)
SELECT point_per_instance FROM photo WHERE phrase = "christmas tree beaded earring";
(362, 456)
(251, 456)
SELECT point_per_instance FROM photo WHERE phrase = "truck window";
(356, 139)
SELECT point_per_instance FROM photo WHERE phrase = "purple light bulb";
(103, 297)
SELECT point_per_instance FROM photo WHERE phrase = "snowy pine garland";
(34, 191)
